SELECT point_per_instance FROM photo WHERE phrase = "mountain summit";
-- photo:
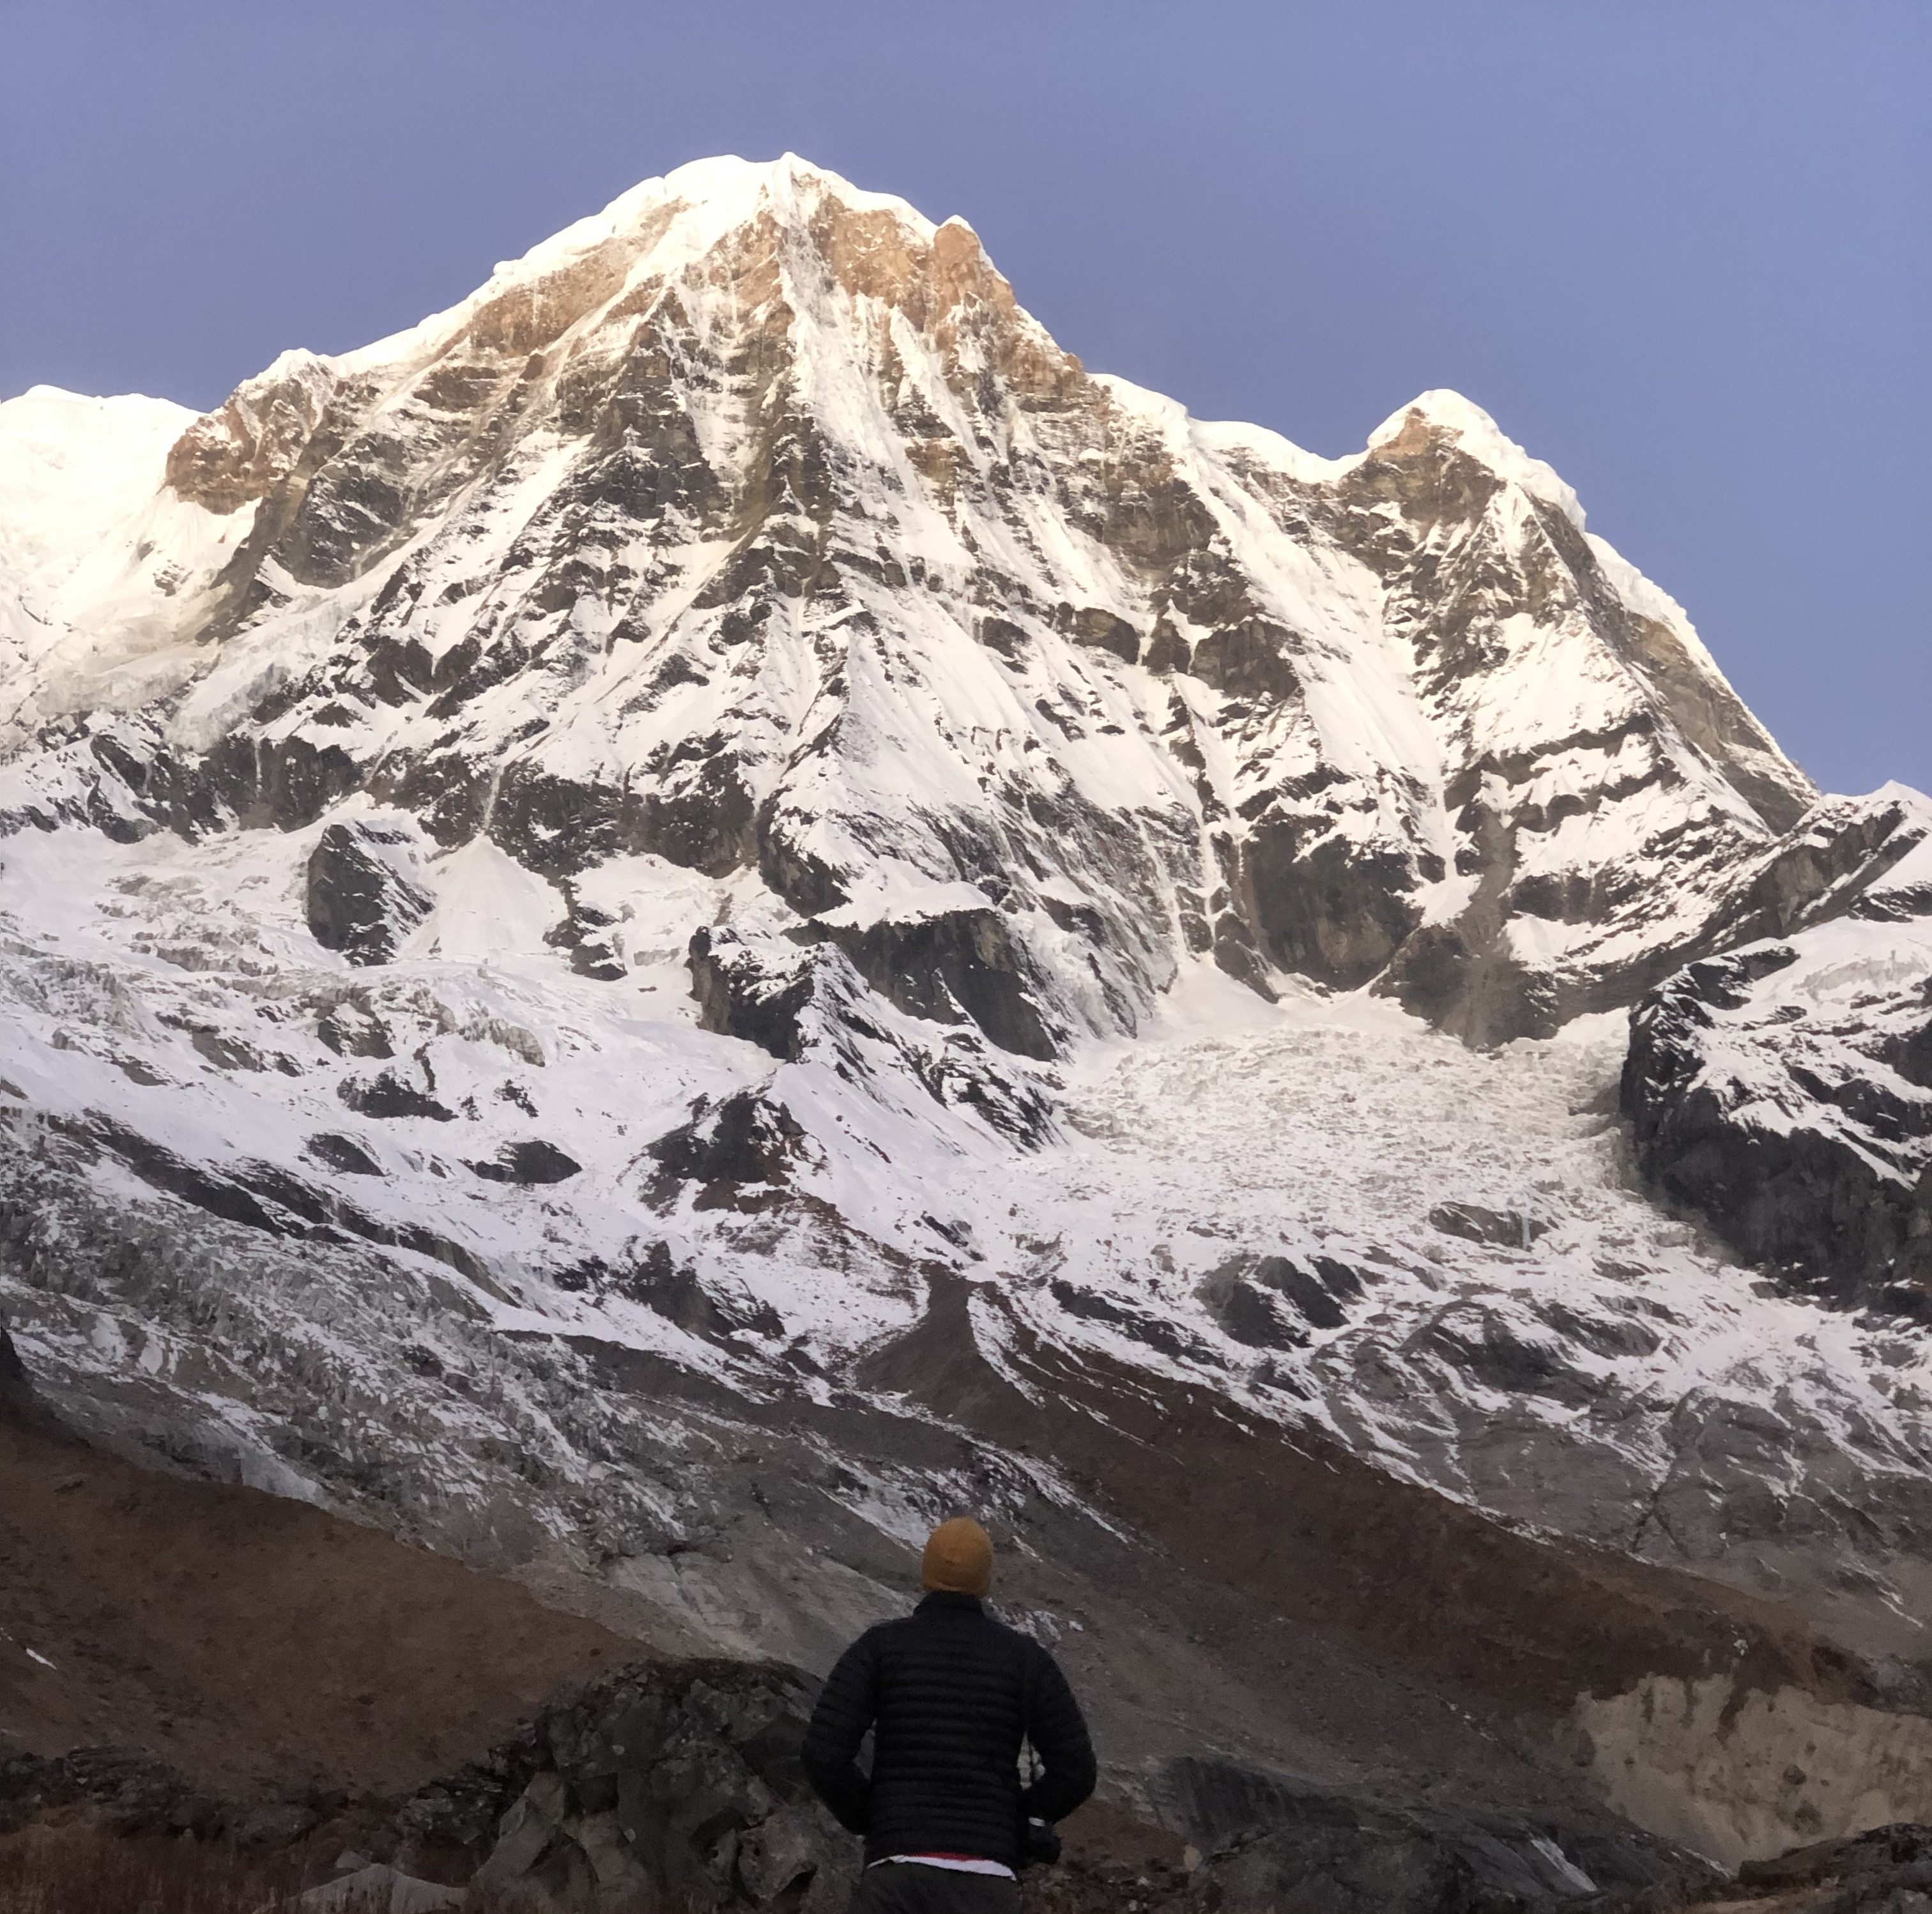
(717, 894)
(752, 525)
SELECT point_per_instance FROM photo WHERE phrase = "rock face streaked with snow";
(1785, 1086)
(720, 853)
(750, 526)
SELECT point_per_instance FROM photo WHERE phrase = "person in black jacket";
(949, 1695)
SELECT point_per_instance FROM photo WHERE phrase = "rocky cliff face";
(715, 895)
(1781, 1088)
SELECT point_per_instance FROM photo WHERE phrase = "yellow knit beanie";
(958, 1558)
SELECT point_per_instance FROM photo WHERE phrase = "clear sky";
(1679, 248)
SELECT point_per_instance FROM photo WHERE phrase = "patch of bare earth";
(244, 1638)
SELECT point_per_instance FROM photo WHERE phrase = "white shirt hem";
(945, 1861)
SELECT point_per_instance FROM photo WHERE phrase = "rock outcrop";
(674, 1782)
(1783, 1088)
(1887, 1871)
(364, 896)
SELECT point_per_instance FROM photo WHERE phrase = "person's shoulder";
(866, 1647)
(884, 1634)
(1028, 1648)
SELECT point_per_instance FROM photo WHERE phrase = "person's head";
(958, 1558)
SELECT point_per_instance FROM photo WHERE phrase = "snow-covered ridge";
(103, 570)
(72, 470)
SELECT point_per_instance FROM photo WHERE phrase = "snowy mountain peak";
(715, 885)
(751, 525)
(663, 226)
(1477, 435)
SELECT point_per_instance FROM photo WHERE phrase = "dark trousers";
(903, 1887)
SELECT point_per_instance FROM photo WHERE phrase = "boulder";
(378, 1888)
(365, 894)
(533, 1161)
(674, 1781)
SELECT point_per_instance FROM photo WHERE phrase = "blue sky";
(1678, 250)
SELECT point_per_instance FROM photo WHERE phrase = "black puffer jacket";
(950, 1694)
